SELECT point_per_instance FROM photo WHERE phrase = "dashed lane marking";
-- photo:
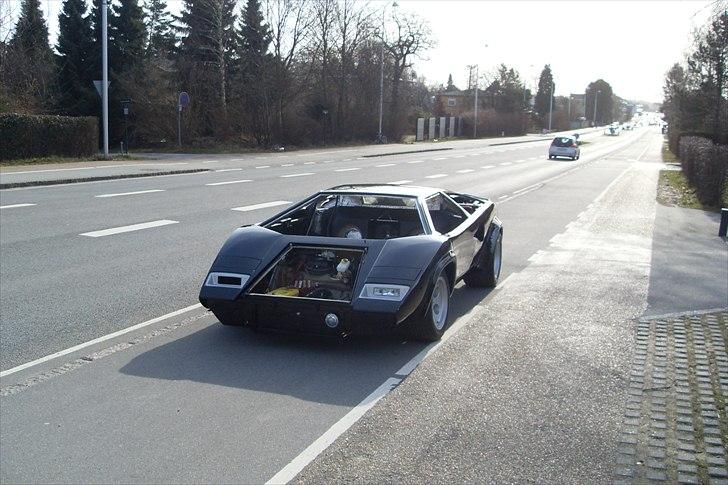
(416, 161)
(505, 164)
(264, 205)
(229, 182)
(347, 169)
(120, 194)
(441, 158)
(131, 228)
(466, 170)
(286, 165)
(385, 165)
(13, 206)
(263, 166)
(400, 182)
(488, 166)
(309, 163)
(436, 176)
(229, 170)
(303, 174)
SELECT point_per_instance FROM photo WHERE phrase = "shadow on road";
(309, 368)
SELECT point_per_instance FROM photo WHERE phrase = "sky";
(628, 43)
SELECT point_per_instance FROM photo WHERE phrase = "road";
(183, 399)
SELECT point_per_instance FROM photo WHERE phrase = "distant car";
(613, 130)
(564, 146)
(357, 259)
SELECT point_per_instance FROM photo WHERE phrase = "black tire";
(429, 324)
(486, 272)
(227, 317)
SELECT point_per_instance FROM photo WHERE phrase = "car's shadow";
(309, 368)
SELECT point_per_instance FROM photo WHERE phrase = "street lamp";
(551, 104)
(381, 76)
(596, 97)
(105, 76)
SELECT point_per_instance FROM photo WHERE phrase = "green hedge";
(705, 165)
(33, 136)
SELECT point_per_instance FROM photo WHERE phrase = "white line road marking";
(386, 165)
(441, 158)
(459, 156)
(488, 166)
(324, 441)
(416, 161)
(303, 174)
(287, 165)
(309, 163)
(229, 182)
(328, 161)
(400, 182)
(474, 155)
(505, 164)
(519, 161)
(129, 193)
(264, 205)
(347, 160)
(525, 189)
(98, 340)
(533, 158)
(12, 206)
(503, 197)
(300, 462)
(347, 169)
(229, 170)
(131, 228)
(214, 161)
(436, 176)
(466, 170)
(263, 166)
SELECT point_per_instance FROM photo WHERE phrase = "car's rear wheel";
(487, 270)
(432, 324)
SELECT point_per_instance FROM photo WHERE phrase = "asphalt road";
(185, 400)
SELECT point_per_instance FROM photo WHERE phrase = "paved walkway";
(675, 425)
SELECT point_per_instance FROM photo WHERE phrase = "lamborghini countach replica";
(357, 259)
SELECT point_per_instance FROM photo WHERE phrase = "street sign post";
(182, 100)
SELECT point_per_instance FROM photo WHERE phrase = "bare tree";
(411, 38)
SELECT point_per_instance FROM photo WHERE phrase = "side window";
(445, 214)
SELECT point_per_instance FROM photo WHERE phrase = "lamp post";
(105, 76)
(475, 108)
(596, 97)
(551, 103)
(381, 76)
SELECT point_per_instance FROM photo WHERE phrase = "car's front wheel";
(487, 271)
(431, 325)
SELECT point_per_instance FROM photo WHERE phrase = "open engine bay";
(312, 272)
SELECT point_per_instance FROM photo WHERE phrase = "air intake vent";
(229, 280)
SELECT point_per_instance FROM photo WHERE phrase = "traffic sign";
(184, 99)
(98, 84)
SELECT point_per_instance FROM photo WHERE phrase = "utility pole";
(551, 104)
(105, 75)
(596, 97)
(381, 83)
(475, 108)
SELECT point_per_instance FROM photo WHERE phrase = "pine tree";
(450, 85)
(32, 58)
(544, 93)
(129, 35)
(160, 31)
(76, 94)
(206, 51)
(255, 39)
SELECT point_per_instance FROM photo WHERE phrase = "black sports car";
(357, 259)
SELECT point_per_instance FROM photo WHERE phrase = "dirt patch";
(673, 190)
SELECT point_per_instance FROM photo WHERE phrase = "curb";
(405, 153)
(39, 183)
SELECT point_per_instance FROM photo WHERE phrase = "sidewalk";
(533, 388)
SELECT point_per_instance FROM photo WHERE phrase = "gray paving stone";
(688, 479)
(718, 472)
(656, 475)
(685, 468)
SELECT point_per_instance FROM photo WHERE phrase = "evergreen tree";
(160, 31)
(544, 93)
(129, 35)
(450, 85)
(254, 63)
(206, 51)
(76, 94)
(31, 58)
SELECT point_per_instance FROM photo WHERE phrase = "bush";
(33, 136)
(705, 165)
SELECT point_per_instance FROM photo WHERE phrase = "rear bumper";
(304, 316)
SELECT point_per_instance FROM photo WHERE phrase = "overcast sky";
(630, 44)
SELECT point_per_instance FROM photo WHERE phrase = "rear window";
(562, 142)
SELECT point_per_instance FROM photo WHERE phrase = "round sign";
(184, 99)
